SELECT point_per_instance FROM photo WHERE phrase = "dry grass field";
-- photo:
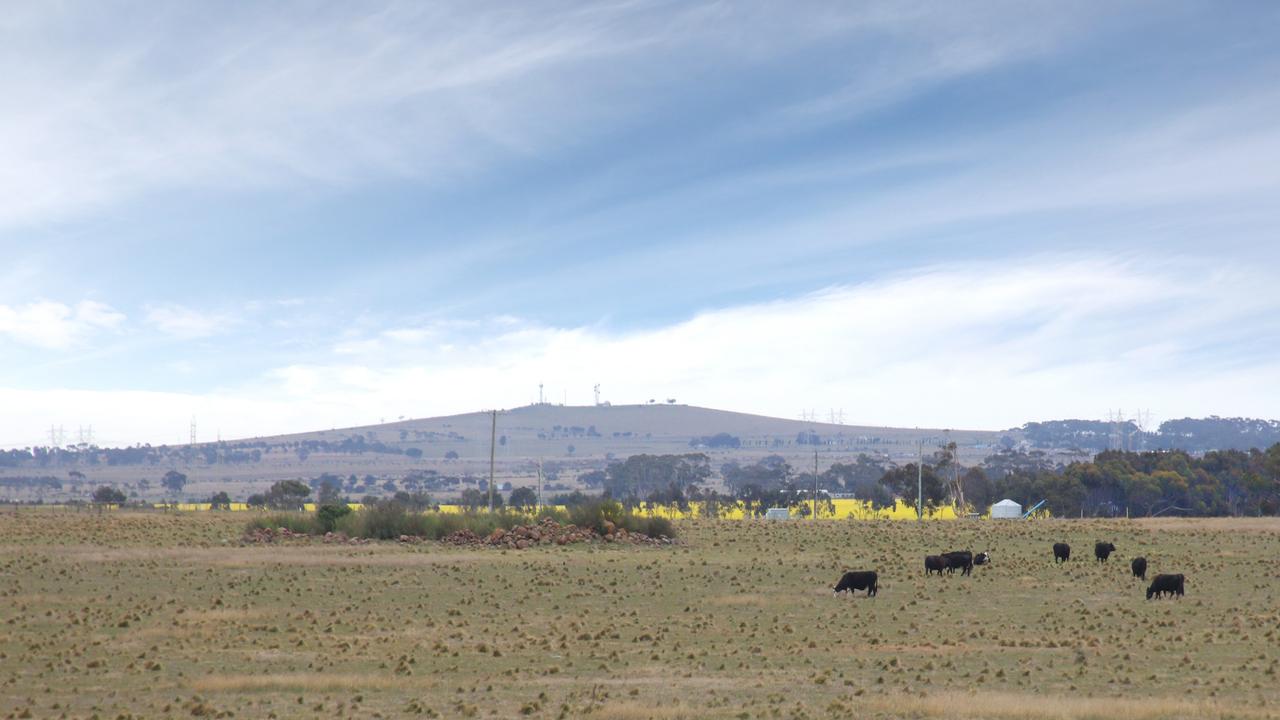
(152, 615)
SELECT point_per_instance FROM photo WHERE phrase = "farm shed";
(1006, 510)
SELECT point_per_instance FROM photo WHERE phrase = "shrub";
(388, 520)
(328, 515)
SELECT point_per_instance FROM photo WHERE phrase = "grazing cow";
(858, 580)
(1140, 568)
(1061, 552)
(961, 559)
(1172, 584)
(934, 564)
(1103, 550)
(982, 559)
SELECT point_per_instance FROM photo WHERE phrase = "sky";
(282, 217)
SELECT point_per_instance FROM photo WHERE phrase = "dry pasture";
(154, 615)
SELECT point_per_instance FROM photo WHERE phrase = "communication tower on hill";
(193, 430)
(597, 391)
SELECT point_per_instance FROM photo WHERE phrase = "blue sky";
(296, 215)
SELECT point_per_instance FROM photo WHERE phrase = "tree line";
(1114, 483)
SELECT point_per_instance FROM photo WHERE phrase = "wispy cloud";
(187, 323)
(55, 325)
(981, 344)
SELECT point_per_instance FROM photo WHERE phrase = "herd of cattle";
(963, 560)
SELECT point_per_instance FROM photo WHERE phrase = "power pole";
(920, 482)
(815, 483)
(493, 442)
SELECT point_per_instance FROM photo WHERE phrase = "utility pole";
(493, 442)
(920, 481)
(815, 483)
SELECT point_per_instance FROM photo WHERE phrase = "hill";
(566, 440)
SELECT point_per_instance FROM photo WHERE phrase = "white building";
(1006, 510)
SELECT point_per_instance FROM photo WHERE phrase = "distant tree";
(571, 449)
(473, 499)
(719, 440)
(413, 452)
(173, 481)
(861, 478)
(220, 501)
(451, 455)
(523, 498)
(592, 479)
(413, 501)
(570, 499)
(108, 495)
(502, 440)
(769, 473)
(330, 490)
(979, 491)
(903, 481)
(639, 476)
(256, 500)
(287, 495)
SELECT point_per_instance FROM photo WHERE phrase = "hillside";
(596, 431)
(567, 440)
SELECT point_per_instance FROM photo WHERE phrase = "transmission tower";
(193, 430)
(597, 391)
(56, 435)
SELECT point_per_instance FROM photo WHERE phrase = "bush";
(328, 515)
(388, 520)
(594, 514)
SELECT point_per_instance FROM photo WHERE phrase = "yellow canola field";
(841, 509)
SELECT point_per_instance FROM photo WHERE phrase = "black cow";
(1140, 567)
(1061, 552)
(934, 564)
(1172, 584)
(858, 580)
(982, 559)
(1103, 550)
(961, 559)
